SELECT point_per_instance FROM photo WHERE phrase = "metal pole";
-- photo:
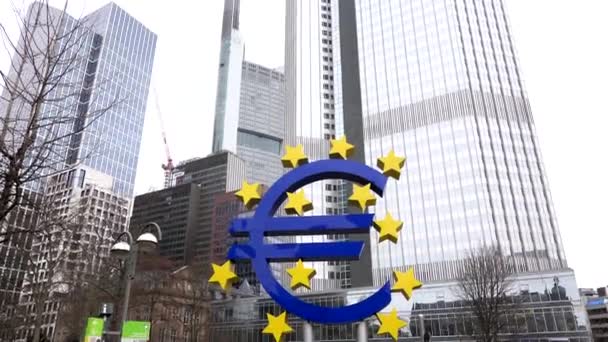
(131, 263)
(362, 332)
(308, 335)
(422, 327)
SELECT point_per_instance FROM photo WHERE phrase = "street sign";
(94, 330)
(135, 331)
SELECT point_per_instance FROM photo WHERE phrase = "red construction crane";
(168, 167)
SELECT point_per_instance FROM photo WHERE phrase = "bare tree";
(195, 292)
(86, 297)
(62, 262)
(48, 98)
(485, 285)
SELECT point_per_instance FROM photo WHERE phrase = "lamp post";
(146, 242)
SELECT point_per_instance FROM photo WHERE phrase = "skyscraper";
(311, 117)
(94, 77)
(261, 122)
(122, 55)
(229, 80)
(441, 84)
(100, 68)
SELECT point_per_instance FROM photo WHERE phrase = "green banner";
(135, 331)
(94, 330)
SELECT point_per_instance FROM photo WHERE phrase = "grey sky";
(562, 50)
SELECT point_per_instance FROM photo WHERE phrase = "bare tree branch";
(486, 286)
(51, 96)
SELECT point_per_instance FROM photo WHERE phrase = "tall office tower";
(311, 118)
(122, 55)
(261, 122)
(229, 80)
(249, 108)
(102, 87)
(80, 216)
(441, 84)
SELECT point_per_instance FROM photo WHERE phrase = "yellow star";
(300, 275)
(223, 275)
(406, 283)
(390, 323)
(297, 203)
(277, 326)
(391, 164)
(388, 228)
(340, 148)
(249, 194)
(294, 156)
(362, 196)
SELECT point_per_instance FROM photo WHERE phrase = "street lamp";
(146, 243)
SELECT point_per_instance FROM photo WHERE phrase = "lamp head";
(120, 250)
(147, 242)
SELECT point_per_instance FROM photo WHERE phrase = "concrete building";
(14, 251)
(597, 310)
(80, 216)
(175, 210)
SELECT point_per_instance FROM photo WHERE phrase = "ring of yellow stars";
(391, 164)
(340, 148)
(388, 228)
(249, 194)
(297, 203)
(406, 283)
(277, 326)
(390, 324)
(362, 196)
(300, 275)
(294, 156)
(223, 275)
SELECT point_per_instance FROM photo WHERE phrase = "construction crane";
(167, 167)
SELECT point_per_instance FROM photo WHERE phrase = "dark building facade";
(215, 174)
(175, 211)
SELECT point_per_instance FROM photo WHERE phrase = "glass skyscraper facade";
(104, 61)
(229, 80)
(261, 123)
(440, 84)
(122, 55)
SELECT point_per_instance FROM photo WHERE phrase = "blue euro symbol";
(264, 224)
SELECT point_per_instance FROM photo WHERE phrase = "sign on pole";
(135, 331)
(94, 330)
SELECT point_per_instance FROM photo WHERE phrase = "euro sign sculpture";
(263, 223)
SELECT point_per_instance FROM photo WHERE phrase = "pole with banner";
(135, 331)
(94, 329)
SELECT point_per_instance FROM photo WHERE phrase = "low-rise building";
(175, 210)
(596, 304)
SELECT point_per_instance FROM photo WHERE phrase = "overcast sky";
(564, 59)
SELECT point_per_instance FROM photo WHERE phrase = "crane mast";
(167, 167)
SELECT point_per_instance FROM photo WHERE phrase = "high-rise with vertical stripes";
(439, 83)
